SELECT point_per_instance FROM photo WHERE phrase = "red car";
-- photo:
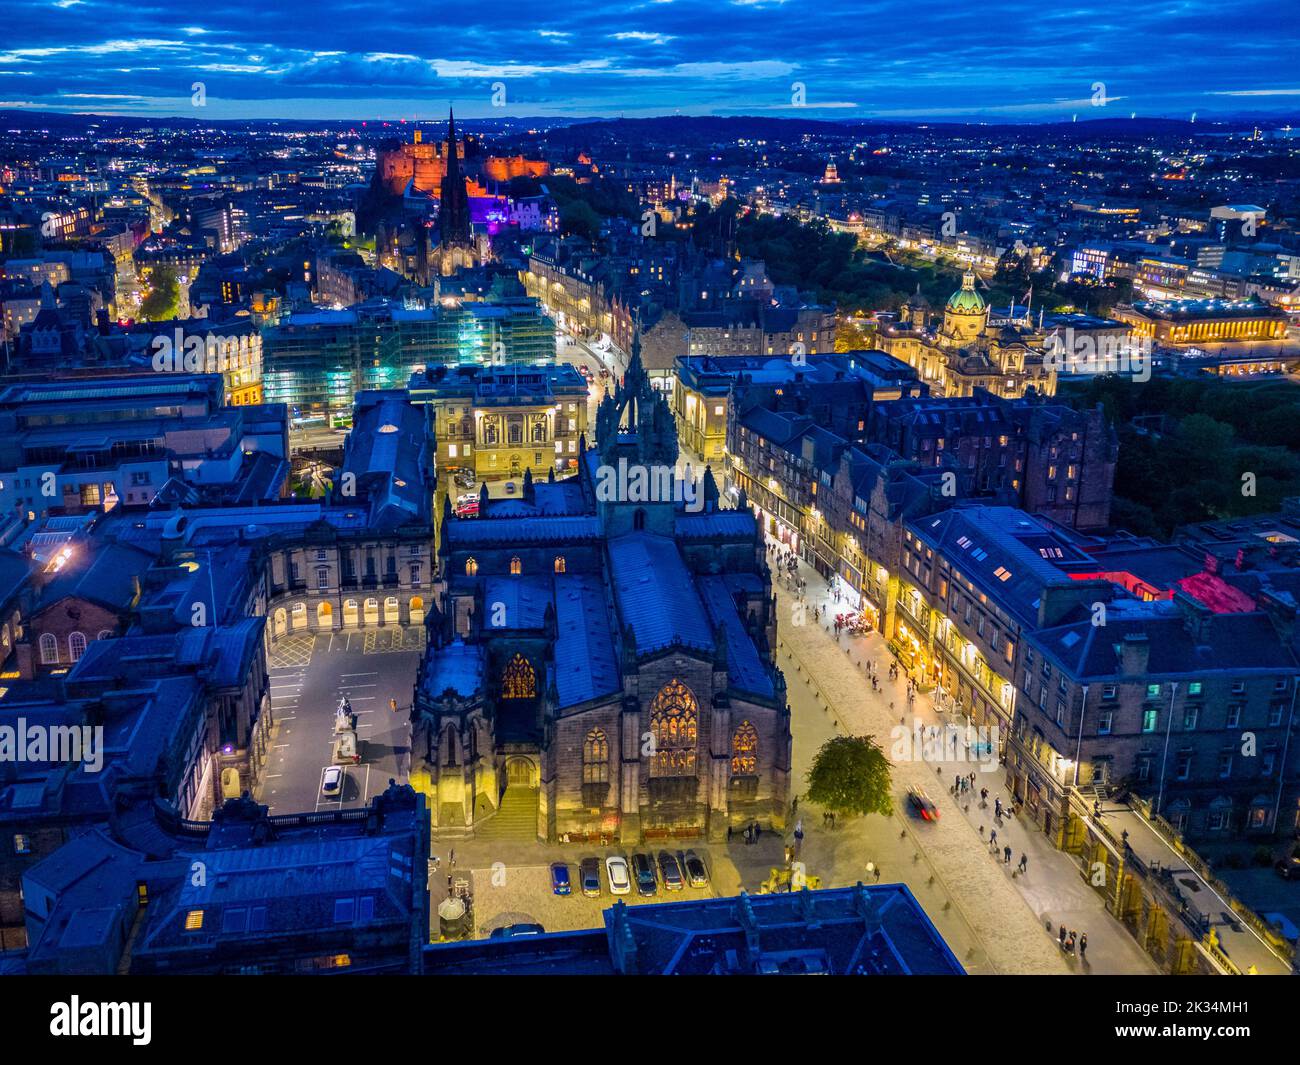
(921, 804)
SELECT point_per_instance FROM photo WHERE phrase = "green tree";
(577, 216)
(164, 297)
(850, 775)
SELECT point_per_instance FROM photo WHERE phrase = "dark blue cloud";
(1005, 59)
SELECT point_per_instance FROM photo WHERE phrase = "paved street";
(1008, 914)
(309, 672)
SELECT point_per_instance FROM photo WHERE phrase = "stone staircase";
(515, 820)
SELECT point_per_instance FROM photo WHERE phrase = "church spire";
(453, 207)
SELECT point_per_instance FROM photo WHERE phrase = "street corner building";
(602, 668)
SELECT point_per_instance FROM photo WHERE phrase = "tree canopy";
(850, 775)
(164, 297)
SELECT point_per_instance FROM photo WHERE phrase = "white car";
(331, 782)
(620, 883)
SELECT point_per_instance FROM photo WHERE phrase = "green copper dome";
(966, 300)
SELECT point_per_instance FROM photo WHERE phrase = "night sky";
(999, 60)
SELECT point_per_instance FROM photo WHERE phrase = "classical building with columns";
(600, 661)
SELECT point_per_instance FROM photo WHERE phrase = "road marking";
(372, 673)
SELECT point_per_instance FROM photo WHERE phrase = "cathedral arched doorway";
(521, 773)
(280, 621)
(417, 610)
(324, 616)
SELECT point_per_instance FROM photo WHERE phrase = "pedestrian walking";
(1006, 855)
(451, 857)
(981, 831)
(997, 808)
(794, 805)
(1024, 863)
(984, 796)
(1063, 933)
(993, 839)
(728, 833)
(1083, 944)
(757, 831)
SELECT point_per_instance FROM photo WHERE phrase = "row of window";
(49, 646)
(516, 565)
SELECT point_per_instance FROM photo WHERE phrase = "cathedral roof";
(586, 666)
(655, 593)
(745, 668)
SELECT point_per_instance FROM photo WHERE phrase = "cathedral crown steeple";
(636, 423)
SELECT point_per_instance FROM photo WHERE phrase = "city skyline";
(826, 61)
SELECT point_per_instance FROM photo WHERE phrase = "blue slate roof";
(478, 532)
(730, 523)
(586, 666)
(655, 593)
(524, 600)
(457, 666)
(980, 540)
(553, 500)
(744, 666)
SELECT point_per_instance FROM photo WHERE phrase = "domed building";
(970, 348)
(965, 315)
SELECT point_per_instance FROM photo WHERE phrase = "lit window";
(193, 920)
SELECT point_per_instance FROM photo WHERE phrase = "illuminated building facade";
(317, 362)
(1191, 322)
(497, 422)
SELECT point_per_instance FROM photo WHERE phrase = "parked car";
(560, 879)
(331, 783)
(510, 931)
(616, 871)
(589, 877)
(510, 488)
(1288, 868)
(644, 870)
(921, 804)
(697, 874)
(670, 872)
